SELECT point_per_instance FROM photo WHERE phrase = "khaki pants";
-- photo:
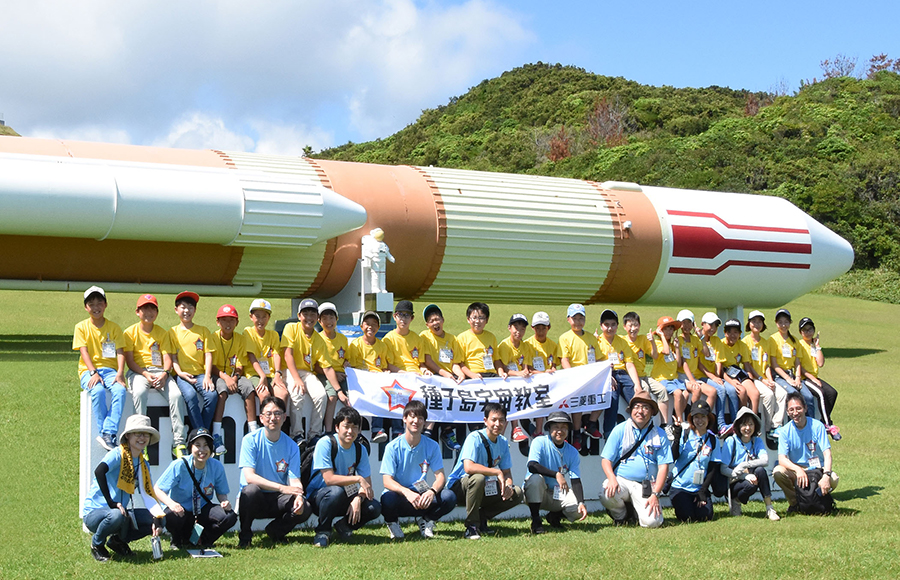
(470, 492)
(772, 405)
(310, 405)
(170, 393)
(537, 491)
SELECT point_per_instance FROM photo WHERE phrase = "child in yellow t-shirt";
(148, 355)
(336, 345)
(264, 354)
(193, 362)
(644, 349)
(229, 363)
(547, 355)
(101, 368)
(446, 359)
(516, 355)
(580, 348)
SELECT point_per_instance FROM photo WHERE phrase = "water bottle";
(157, 548)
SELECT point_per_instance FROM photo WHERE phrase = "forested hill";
(833, 148)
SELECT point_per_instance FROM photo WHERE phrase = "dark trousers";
(394, 505)
(331, 502)
(258, 504)
(825, 396)
(611, 414)
(742, 490)
(687, 508)
(213, 518)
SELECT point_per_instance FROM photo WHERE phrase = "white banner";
(576, 390)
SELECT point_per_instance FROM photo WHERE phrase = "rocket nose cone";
(341, 215)
(832, 255)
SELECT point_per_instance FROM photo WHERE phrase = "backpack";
(809, 501)
(306, 458)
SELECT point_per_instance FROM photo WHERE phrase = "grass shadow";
(850, 352)
(857, 493)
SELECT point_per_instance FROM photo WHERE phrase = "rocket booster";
(283, 226)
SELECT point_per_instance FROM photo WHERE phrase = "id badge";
(557, 492)
(351, 490)
(108, 349)
(754, 354)
(592, 356)
(488, 360)
(787, 350)
(264, 365)
(698, 477)
(445, 356)
(711, 357)
(815, 462)
(155, 355)
(669, 358)
(195, 534)
(538, 364)
(512, 367)
(686, 352)
(614, 358)
(491, 486)
(421, 486)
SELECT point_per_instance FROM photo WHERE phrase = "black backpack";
(809, 501)
(306, 458)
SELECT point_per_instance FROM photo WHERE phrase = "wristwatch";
(655, 494)
(94, 372)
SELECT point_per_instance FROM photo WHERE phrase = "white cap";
(756, 313)
(540, 318)
(93, 289)
(261, 304)
(326, 306)
(710, 318)
(685, 315)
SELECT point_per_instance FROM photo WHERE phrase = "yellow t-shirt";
(641, 351)
(336, 349)
(691, 352)
(367, 357)
(230, 353)
(307, 350)
(807, 360)
(515, 359)
(479, 350)
(148, 348)
(445, 351)
(618, 352)
(102, 343)
(405, 352)
(263, 348)
(665, 366)
(192, 345)
(759, 354)
(783, 351)
(734, 355)
(546, 354)
(580, 350)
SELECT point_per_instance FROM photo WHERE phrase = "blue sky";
(273, 76)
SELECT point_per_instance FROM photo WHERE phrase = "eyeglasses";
(478, 319)
(643, 406)
(271, 414)
(403, 315)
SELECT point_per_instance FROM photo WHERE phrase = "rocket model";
(150, 219)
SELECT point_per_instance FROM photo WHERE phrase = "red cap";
(667, 321)
(227, 310)
(188, 294)
(147, 299)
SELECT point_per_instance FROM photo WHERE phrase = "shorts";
(329, 388)
(245, 387)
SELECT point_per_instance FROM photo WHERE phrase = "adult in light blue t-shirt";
(697, 457)
(404, 471)
(270, 477)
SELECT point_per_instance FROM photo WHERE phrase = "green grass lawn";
(41, 537)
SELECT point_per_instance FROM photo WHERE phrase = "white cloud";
(191, 73)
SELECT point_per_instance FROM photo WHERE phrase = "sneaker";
(219, 445)
(772, 514)
(119, 546)
(300, 440)
(108, 442)
(179, 451)
(450, 442)
(834, 431)
(484, 530)
(555, 519)
(725, 431)
(670, 432)
(244, 542)
(426, 527)
(593, 431)
(537, 434)
(146, 455)
(772, 439)
(518, 435)
(343, 529)
(792, 509)
(735, 507)
(537, 529)
(379, 436)
(320, 540)
(576, 440)
(99, 552)
(472, 533)
(395, 530)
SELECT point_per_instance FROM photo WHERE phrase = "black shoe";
(119, 546)
(244, 542)
(276, 538)
(343, 529)
(485, 530)
(555, 520)
(99, 553)
(300, 440)
(537, 529)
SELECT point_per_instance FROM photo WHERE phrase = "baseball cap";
(733, 323)
(201, 433)
(327, 307)
(518, 318)
(711, 318)
(188, 294)
(608, 315)
(701, 407)
(540, 318)
(668, 321)
(685, 315)
(227, 311)
(575, 309)
(306, 304)
(94, 289)
(372, 314)
(261, 304)
(806, 321)
(404, 306)
(147, 299)
(753, 315)
(783, 311)
(431, 309)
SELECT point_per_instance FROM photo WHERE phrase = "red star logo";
(340, 352)
(281, 466)
(398, 395)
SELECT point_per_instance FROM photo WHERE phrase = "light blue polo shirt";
(735, 451)
(410, 464)
(177, 483)
(801, 444)
(474, 450)
(644, 462)
(684, 471)
(546, 453)
(343, 461)
(277, 461)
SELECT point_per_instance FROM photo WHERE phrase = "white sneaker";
(395, 530)
(426, 527)
(772, 514)
(735, 507)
